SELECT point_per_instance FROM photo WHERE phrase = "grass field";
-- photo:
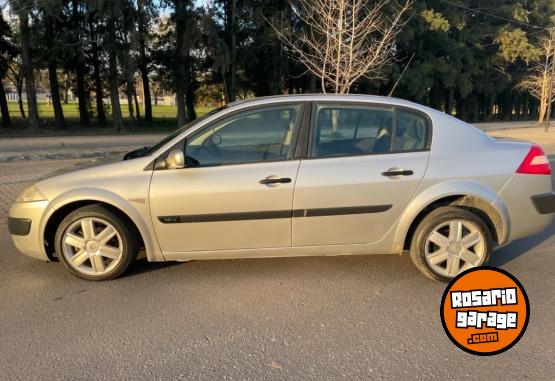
(164, 119)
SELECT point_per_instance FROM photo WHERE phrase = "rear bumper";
(544, 203)
(530, 204)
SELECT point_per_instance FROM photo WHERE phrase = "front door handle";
(394, 172)
(275, 180)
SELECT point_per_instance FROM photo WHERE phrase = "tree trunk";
(28, 68)
(147, 101)
(190, 100)
(279, 51)
(460, 107)
(233, 84)
(53, 75)
(113, 75)
(79, 67)
(84, 119)
(137, 108)
(66, 90)
(20, 97)
(226, 89)
(229, 68)
(99, 92)
(181, 17)
(143, 67)
(312, 83)
(449, 101)
(55, 95)
(527, 113)
(129, 94)
(181, 108)
(543, 110)
(6, 121)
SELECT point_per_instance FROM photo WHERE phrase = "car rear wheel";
(448, 241)
(95, 244)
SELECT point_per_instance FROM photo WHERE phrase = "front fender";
(136, 210)
(442, 190)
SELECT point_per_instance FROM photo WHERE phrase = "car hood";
(90, 163)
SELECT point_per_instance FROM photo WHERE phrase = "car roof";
(329, 97)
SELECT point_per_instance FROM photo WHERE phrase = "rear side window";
(349, 130)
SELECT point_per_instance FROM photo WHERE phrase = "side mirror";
(175, 159)
(216, 139)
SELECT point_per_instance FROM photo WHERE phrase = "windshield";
(160, 144)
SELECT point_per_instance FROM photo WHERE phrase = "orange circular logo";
(485, 311)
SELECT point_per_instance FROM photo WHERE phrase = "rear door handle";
(393, 172)
(275, 180)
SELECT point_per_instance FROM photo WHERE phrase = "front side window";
(349, 130)
(261, 134)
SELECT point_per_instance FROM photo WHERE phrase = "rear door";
(364, 165)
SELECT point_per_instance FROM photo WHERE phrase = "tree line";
(464, 57)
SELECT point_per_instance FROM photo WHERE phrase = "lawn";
(164, 120)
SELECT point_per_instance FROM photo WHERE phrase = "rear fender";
(442, 190)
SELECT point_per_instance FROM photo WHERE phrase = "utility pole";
(550, 97)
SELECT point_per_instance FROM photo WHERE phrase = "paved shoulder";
(15, 176)
(72, 147)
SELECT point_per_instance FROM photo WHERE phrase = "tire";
(436, 237)
(94, 243)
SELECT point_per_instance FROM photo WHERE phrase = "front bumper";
(24, 224)
(544, 203)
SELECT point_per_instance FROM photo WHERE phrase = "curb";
(59, 156)
(493, 129)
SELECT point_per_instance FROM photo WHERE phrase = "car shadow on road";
(499, 258)
(142, 266)
(520, 247)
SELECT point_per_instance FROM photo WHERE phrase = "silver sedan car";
(295, 176)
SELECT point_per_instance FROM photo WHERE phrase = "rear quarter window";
(412, 131)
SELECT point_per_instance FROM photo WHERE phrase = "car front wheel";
(95, 243)
(448, 241)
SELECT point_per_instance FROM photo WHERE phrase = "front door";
(365, 164)
(237, 189)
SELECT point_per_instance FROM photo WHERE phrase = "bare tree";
(539, 81)
(343, 40)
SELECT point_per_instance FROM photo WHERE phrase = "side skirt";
(304, 251)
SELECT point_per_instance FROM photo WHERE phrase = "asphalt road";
(298, 318)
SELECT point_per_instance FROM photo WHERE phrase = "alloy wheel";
(92, 246)
(455, 246)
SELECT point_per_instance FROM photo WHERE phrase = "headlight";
(30, 194)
